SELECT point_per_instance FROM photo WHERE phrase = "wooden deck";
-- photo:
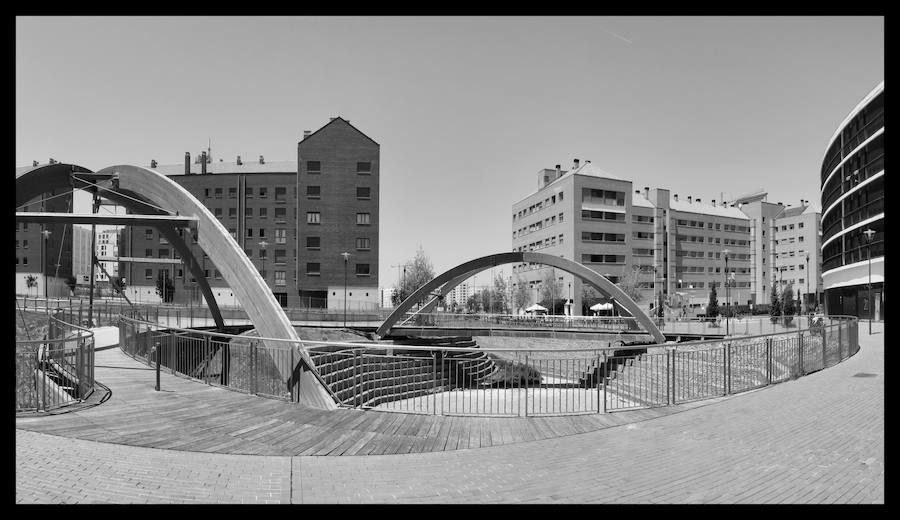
(190, 415)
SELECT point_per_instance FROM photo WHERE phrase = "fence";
(56, 371)
(449, 376)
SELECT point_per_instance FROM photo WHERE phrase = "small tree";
(712, 308)
(800, 303)
(165, 287)
(31, 281)
(787, 304)
(521, 294)
(551, 291)
(774, 305)
(630, 284)
(416, 273)
(71, 282)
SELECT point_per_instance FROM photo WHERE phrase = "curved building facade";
(852, 191)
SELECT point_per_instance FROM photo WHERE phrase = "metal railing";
(451, 376)
(56, 371)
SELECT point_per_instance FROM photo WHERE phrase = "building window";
(148, 274)
(314, 167)
(363, 219)
(17, 247)
(248, 212)
(280, 193)
(279, 278)
(362, 243)
(314, 217)
(218, 193)
(313, 242)
(217, 274)
(217, 212)
(249, 253)
(148, 234)
(280, 236)
(263, 213)
(364, 168)
(179, 273)
(232, 193)
(279, 256)
(263, 193)
(148, 253)
(363, 193)
(312, 269)
(206, 193)
(164, 253)
(248, 192)
(313, 192)
(24, 260)
(24, 244)
(232, 212)
(280, 214)
(263, 254)
(249, 232)
(362, 270)
(233, 233)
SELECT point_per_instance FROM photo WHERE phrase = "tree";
(71, 283)
(774, 305)
(165, 287)
(31, 281)
(589, 297)
(416, 273)
(551, 292)
(499, 296)
(712, 308)
(630, 283)
(799, 304)
(787, 303)
(521, 295)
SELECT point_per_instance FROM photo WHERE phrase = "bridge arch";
(237, 270)
(452, 277)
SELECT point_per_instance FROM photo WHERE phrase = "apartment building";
(797, 264)
(81, 254)
(294, 219)
(676, 247)
(852, 195)
(107, 246)
(44, 252)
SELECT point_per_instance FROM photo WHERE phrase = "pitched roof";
(230, 167)
(593, 171)
(348, 124)
(641, 202)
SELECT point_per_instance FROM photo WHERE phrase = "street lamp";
(570, 298)
(807, 283)
(869, 234)
(727, 293)
(346, 256)
(46, 234)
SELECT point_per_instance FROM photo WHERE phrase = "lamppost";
(570, 299)
(727, 292)
(807, 283)
(262, 256)
(46, 235)
(346, 256)
(869, 234)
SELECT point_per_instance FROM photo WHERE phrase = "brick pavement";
(819, 439)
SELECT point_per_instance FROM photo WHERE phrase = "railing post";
(173, 339)
(158, 354)
(800, 352)
(205, 358)
(253, 367)
(670, 378)
(768, 361)
(598, 383)
(725, 360)
(841, 339)
(357, 379)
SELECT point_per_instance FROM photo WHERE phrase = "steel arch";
(465, 270)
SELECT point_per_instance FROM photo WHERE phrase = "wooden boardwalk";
(190, 415)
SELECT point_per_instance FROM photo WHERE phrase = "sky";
(467, 110)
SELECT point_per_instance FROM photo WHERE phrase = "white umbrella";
(602, 307)
(536, 307)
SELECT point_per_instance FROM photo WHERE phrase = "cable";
(24, 324)
(43, 200)
(121, 194)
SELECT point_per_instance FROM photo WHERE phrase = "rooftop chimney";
(332, 118)
(587, 162)
(52, 160)
(153, 163)
(306, 133)
(780, 204)
(689, 199)
(698, 200)
(637, 192)
(714, 202)
(187, 163)
(203, 163)
(676, 197)
(558, 171)
(261, 160)
(647, 192)
(34, 163)
(576, 164)
(239, 160)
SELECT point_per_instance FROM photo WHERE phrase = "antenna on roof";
(209, 149)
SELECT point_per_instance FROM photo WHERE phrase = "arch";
(32, 183)
(465, 270)
(238, 271)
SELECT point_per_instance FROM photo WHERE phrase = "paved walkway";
(819, 439)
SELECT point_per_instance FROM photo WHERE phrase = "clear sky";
(466, 109)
